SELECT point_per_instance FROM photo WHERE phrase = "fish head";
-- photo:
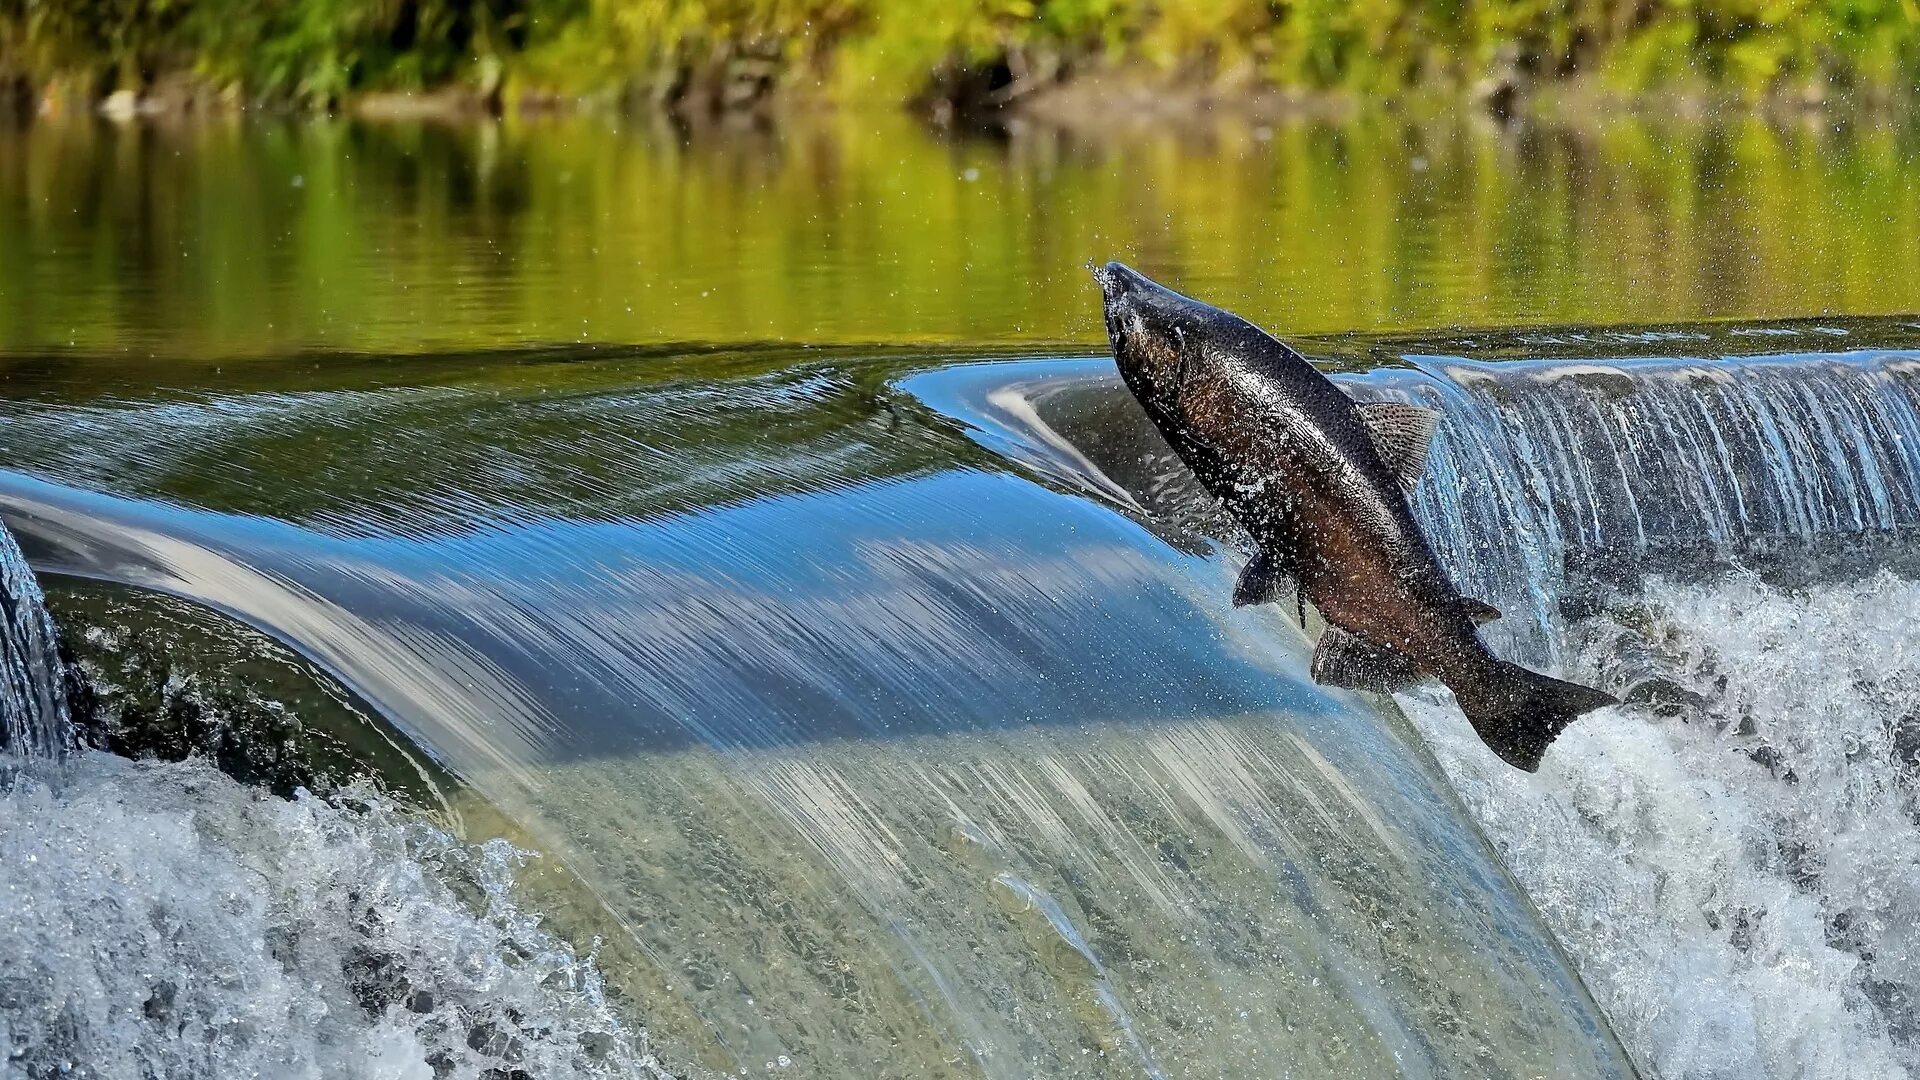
(1163, 341)
(1144, 328)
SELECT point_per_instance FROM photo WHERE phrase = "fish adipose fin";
(1352, 662)
(1266, 580)
(1518, 713)
(1479, 611)
(1402, 434)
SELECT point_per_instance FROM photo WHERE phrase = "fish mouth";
(1119, 284)
(1117, 280)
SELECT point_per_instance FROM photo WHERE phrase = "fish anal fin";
(1352, 662)
(1479, 611)
(1403, 436)
(1265, 580)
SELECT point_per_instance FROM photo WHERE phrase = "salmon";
(1320, 482)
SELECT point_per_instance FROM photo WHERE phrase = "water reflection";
(243, 237)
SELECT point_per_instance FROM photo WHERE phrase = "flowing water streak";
(1553, 479)
(33, 703)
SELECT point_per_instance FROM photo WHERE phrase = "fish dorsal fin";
(1402, 434)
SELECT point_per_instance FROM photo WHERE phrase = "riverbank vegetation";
(945, 55)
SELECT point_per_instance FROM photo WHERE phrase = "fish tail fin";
(1518, 713)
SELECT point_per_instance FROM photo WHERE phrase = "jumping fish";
(1320, 482)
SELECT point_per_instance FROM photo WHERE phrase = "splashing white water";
(164, 921)
(1731, 862)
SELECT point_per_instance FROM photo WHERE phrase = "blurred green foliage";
(303, 51)
(731, 51)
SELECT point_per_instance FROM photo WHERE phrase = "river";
(779, 645)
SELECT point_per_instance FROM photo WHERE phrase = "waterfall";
(1552, 479)
(953, 725)
(33, 703)
(1728, 545)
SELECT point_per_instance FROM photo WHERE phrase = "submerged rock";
(151, 676)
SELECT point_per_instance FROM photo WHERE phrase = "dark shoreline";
(1087, 103)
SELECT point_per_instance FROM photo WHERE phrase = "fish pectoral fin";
(1403, 436)
(1479, 611)
(1351, 662)
(1265, 580)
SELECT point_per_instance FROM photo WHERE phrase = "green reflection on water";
(229, 238)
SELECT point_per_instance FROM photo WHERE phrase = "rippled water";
(874, 701)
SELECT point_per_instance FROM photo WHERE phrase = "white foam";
(1734, 917)
(162, 920)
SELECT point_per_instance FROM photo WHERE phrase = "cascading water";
(162, 920)
(1556, 478)
(1730, 855)
(882, 758)
(1727, 544)
(33, 700)
(899, 746)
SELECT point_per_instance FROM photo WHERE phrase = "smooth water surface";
(245, 237)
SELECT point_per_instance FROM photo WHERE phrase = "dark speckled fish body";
(1318, 481)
